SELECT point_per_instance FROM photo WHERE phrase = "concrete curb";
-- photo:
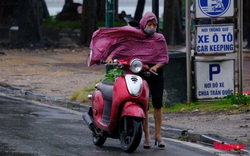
(169, 132)
(31, 95)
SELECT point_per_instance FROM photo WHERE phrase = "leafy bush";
(112, 74)
(238, 99)
(52, 23)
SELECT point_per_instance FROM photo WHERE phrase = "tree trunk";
(68, 1)
(172, 28)
(45, 11)
(7, 8)
(89, 22)
(69, 11)
(100, 10)
(116, 10)
(139, 10)
(28, 21)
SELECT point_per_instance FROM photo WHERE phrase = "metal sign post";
(240, 44)
(188, 52)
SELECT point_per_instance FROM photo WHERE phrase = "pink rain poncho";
(128, 42)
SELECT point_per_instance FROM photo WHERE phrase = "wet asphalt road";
(28, 128)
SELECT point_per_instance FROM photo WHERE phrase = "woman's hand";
(109, 60)
(155, 67)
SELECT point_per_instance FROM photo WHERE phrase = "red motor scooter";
(118, 108)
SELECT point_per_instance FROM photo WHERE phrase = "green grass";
(231, 104)
(206, 107)
(82, 95)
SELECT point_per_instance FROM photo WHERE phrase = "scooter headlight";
(136, 65)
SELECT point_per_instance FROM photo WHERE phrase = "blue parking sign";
(214, 8)
(216, 80)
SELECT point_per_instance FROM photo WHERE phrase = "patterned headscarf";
(149, 16)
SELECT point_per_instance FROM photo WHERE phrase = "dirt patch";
(235, 127)
(55, 72)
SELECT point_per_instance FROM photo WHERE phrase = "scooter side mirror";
(131, 21)
(89, 58)
(115, 61)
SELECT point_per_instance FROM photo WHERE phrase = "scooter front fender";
(132, 109)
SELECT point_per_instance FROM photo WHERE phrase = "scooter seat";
(107, 89)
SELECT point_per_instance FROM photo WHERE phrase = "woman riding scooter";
(144, 43)
(148, 25)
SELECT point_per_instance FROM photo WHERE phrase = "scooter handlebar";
(121, 63)
(153, 72)
(115, 62)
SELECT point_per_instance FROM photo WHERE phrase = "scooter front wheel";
(130, 133)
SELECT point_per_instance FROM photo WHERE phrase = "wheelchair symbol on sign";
(214, 8)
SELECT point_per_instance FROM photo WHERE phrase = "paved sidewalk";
(51, 76)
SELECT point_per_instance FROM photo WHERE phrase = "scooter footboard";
(132, 109)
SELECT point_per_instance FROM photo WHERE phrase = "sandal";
(160, 143)
(146, 145)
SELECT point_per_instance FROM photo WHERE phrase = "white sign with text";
(214, 79)
(215, 39)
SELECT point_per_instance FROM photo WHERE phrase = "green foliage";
(52, 23)
(117, 24)
(232, 103)
(112, 74)
(238, 99)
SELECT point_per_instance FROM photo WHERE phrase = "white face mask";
(149, 31)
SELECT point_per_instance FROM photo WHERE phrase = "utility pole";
(110, 19)
(110, 13)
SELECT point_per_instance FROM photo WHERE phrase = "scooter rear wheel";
(130, 133)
